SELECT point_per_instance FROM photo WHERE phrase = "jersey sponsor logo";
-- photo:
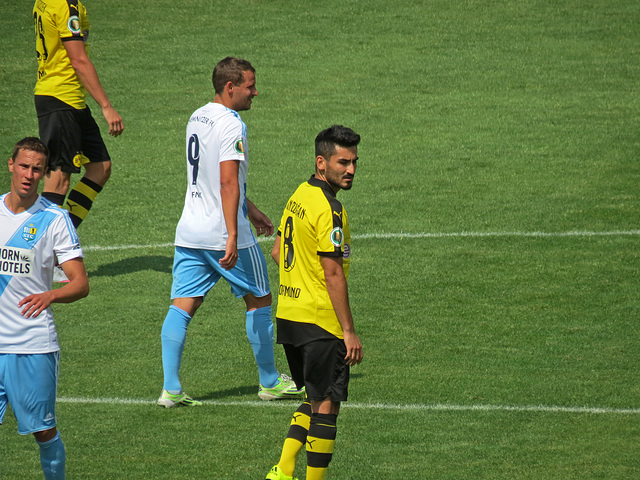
(347, 251)
(287, 291)
(337, 236)
(239, 146)
(17, 262)
(74, 24)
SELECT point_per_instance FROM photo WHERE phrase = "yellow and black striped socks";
(81, 199)
(321, 440)
(296, 438)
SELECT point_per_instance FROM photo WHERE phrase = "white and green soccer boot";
(170, 400)
(285, 388)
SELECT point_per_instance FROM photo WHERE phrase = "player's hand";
(230, 254)
(261, 223)
(116, 126)
(35, 304)
(354, 349)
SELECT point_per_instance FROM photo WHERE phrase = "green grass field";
(496, 215)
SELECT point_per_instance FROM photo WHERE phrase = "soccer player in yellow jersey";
(314, 319)
(65, 75)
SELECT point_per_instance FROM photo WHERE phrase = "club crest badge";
(80, 159)
(29, 233)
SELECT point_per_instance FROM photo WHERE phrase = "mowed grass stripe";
(375, 406)
(384, 236)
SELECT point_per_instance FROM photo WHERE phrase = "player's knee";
(106, 170)
(45, 435)
(188, 304)
(98, 172)
(254, 303)
(57, 181)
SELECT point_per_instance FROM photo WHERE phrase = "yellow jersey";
(58, 21)
(314, 224)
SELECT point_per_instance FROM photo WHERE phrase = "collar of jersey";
(313, 181)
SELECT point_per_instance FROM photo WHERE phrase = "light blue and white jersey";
(215, 134)
(30, 242)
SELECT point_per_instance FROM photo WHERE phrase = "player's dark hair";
(339, 135)
(232, 70)
(33, 144)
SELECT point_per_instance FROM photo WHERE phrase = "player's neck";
(322, 178)
(17, 205)
(224, 101)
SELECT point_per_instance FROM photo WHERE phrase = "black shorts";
(72, 136)
(320, 366)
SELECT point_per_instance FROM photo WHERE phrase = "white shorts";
(29, 382)
(196, 271)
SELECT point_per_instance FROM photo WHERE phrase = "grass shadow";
(158, 263)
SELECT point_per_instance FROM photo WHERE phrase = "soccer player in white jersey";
(214, 239)
(34, 232)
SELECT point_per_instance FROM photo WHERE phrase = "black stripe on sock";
(92, 184)
(56, 198)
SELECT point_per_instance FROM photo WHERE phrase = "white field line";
(383, 236)
(382, 406)
(377, 406)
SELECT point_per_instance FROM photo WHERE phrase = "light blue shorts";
(29, 382)
(196, 271)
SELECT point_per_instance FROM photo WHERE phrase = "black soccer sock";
(81, 199)
(56, 198)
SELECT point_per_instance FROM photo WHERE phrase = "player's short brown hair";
(33, 144)
(230, 69)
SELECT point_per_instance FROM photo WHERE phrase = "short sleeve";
(66, 242)
(66, 18)
(329, 233)
(232, 145)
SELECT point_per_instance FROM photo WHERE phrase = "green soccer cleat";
(169, 400)
(285, 388)
(276, 474)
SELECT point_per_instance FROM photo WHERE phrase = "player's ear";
(321, 163)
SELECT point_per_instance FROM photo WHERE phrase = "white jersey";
(29, 244)
(215, 134)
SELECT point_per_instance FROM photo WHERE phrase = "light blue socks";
(174, 335)
(53, 458)
(260, 335)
